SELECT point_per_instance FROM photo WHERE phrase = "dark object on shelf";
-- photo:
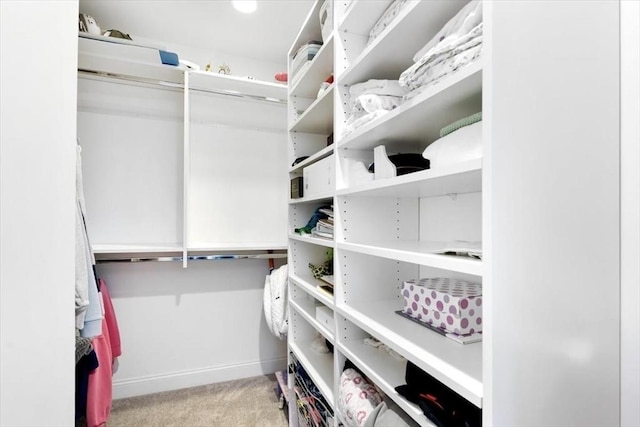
(439, 403)
(330, 139)
(117, 34)
(296, 188)
(299, 159)
(406, 163)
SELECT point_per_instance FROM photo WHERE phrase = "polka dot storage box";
(452, 305)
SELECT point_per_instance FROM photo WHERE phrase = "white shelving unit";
(392, 51)
(386, 230)
(311, 123)
(186, 129)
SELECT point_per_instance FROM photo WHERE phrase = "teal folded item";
(169, 58)
(474, 118)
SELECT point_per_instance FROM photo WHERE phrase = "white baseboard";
(177, 380)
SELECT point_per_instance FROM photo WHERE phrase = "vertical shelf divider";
(186, 170)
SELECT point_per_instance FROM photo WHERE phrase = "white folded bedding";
(377, 87)
(355, 123)
(443, 60)
(385, 19)
(462, 23)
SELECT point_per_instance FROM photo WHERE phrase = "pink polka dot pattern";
(451, 304)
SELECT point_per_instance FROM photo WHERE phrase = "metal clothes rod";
(171, 85)
(192, 258)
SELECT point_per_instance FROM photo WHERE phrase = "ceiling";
(267, 34)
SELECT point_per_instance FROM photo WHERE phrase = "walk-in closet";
(320, 213)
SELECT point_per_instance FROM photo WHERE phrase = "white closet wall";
(181, 328)
(37, 212)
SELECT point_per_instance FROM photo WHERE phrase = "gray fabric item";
(390, 415)
(373, 416)
(83, 347)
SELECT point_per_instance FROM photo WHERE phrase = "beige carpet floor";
(247, 402)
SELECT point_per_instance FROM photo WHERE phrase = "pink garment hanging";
(112, 322)
(107, 348)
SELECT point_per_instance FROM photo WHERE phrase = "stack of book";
(324, 227)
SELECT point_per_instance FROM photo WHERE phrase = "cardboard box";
(449, 304)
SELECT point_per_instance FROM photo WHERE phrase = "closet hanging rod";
(172, 85)
(193, 258)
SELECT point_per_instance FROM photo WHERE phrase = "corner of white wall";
(37, 203)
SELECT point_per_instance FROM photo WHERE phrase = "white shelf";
(135, 249)
(234, 85)
(310, 285)
(135, 70)
(309, 316)
(312, 198)
(313, 240)
(392, 51)
(456, 365)
(416, 252)
(320, 68)
(464, 177)
(310, 29)
(325, 152)
(319, 366)
(386, 372)
(421, 118)
(257, 246)
(318, 118)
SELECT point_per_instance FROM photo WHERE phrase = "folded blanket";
(377, 87)
(352, 125)
(462, 23)
(371, 102)
(385, 19)
(466, 121)
(443, 60)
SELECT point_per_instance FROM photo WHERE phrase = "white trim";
(196, 377)
(630, 213)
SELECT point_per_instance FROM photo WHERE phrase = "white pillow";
(463, 144)
(358, 399)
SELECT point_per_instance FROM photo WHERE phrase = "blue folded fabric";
(169, 58)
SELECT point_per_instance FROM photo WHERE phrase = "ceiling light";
(245, 6)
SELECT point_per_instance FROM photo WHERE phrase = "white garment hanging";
(275, 301)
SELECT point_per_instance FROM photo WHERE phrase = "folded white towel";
(377, 87)
(371, 102)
